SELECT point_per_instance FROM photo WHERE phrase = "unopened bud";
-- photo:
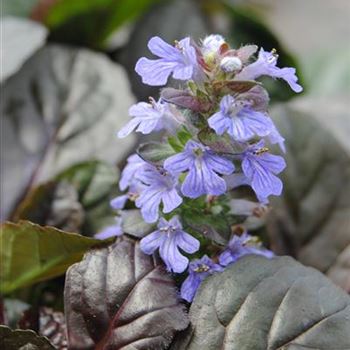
(230, 64)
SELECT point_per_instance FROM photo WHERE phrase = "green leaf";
(89, 23)
(311, 220)
(31, 253)
(134, 224)
(26, 38)
(120, 298)
(260, 304)
(155, 152)
(19, 339)
(63, 107)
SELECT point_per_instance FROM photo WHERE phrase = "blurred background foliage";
(68, 79)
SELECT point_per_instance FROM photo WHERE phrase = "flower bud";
(230, 64)
(211, 44)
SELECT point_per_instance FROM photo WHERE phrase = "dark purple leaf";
(120, 298)
(267, 304)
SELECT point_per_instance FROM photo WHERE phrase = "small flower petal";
(151, 242)
(187, 242)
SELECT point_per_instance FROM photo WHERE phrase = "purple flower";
(260, 168)
(111, 231)
(118, 202)
(266, 65)
(169, 238)
(134, 165)
(148, 117)
(198, 270)
(240, 121)
(181, 60)
(160, 188)
(240, 246)
(203, 167)
(275, 137)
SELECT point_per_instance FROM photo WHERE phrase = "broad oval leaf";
(119, 298)
(31, 253)
(20, 339)
(264, 304)
(311, 220)
(63, 107)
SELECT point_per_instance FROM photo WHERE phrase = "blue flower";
(181, 60)
(119, 202)
(203, 167)
(275, 137)
(240, 121)
(168, 239)
(148, 117)
(240, 246)
(160, 187)
(260, 168)
(134, 165)
(266, 65)
(111, 231)
(198, 270)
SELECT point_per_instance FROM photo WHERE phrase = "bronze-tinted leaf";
(268, 304)
(119, 298)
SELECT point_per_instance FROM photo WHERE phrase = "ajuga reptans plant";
(215, 140)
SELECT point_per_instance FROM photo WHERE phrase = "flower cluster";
(216, 134)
